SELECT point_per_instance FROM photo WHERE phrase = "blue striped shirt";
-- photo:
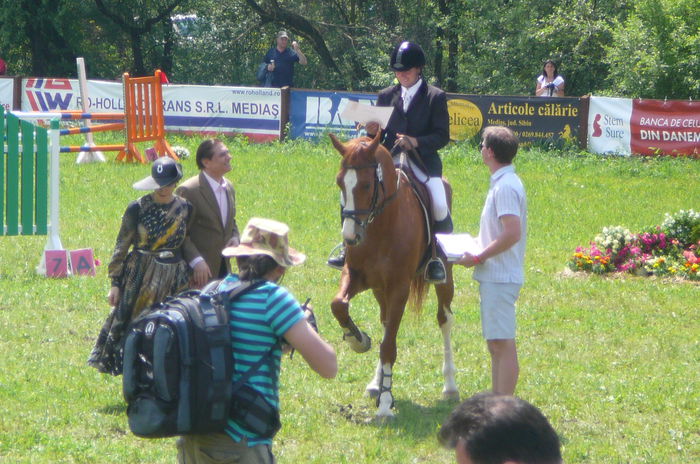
(258, 319)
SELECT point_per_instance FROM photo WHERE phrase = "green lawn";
(613, 362)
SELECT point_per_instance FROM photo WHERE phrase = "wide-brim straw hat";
(266, 237)
(164, 171)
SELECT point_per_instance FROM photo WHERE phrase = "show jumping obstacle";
(386, 242)
(29, 181)
(24, 177)
(73, 116)
(143, 120)
(143, 112)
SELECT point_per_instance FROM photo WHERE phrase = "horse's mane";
(381, 154)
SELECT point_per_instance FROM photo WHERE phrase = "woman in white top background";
(549, 83)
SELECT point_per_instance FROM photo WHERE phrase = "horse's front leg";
(383, 378)
(358, 340)
(445, 319)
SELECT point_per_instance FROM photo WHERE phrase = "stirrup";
(336, 259)
(435, 272)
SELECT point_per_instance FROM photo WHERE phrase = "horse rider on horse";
(419, 123)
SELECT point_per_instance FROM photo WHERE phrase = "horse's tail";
(417, 293)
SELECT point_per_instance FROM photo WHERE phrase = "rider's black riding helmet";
(407, 55)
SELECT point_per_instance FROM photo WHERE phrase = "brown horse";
(386, 240)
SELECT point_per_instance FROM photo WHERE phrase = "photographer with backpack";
(262, 320)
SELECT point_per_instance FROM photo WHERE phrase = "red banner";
(665, 127)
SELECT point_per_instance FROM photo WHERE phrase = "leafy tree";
(576, 35)
(37, 37)
(631, 48)
(654, 53)
(139, 20)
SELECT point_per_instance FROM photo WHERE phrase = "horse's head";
(361, 182)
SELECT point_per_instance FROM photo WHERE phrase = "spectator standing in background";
(3, 67)
(281, 59)
(549, 83)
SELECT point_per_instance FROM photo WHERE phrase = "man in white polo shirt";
(499, 268)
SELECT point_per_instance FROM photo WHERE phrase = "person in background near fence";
(420, 121)
(262, 320)
(214, 211)
(280, 60)
(500, 429)
(149, 260)
(549, 83)
(3, 67)
(499, 268)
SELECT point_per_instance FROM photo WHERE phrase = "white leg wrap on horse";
(448, 366)
(437, 193)
(373, 385)
(386, 399)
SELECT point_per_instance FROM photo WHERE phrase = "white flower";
(181, 152)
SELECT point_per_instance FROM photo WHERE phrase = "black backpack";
(178, 364)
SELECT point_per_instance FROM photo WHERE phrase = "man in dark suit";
(420, 121)
(213, 225)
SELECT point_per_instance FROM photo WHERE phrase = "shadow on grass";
(115, 409)
(415, 420)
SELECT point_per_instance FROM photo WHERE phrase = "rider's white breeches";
(437, 192)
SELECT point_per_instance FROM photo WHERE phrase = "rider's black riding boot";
(435, 272)
(443, 226)
(337, 262)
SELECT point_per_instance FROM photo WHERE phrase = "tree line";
(625, 48)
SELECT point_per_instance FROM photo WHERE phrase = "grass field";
(613, 362)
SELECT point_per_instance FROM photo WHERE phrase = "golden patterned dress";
(147, 266)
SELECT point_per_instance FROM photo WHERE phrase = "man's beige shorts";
(498, 309)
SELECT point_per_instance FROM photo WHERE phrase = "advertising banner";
(609, 125)
(532, 119)
(669, 127)
(254, 112)
(251, 111)
(6, 93)
(644, 127)
(313, 113)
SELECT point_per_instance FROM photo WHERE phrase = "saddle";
(420, 190)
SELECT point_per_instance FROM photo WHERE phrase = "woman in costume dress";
(148, 263)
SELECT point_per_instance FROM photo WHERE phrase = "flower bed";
(671, 249)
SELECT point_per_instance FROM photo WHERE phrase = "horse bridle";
(374, 209)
